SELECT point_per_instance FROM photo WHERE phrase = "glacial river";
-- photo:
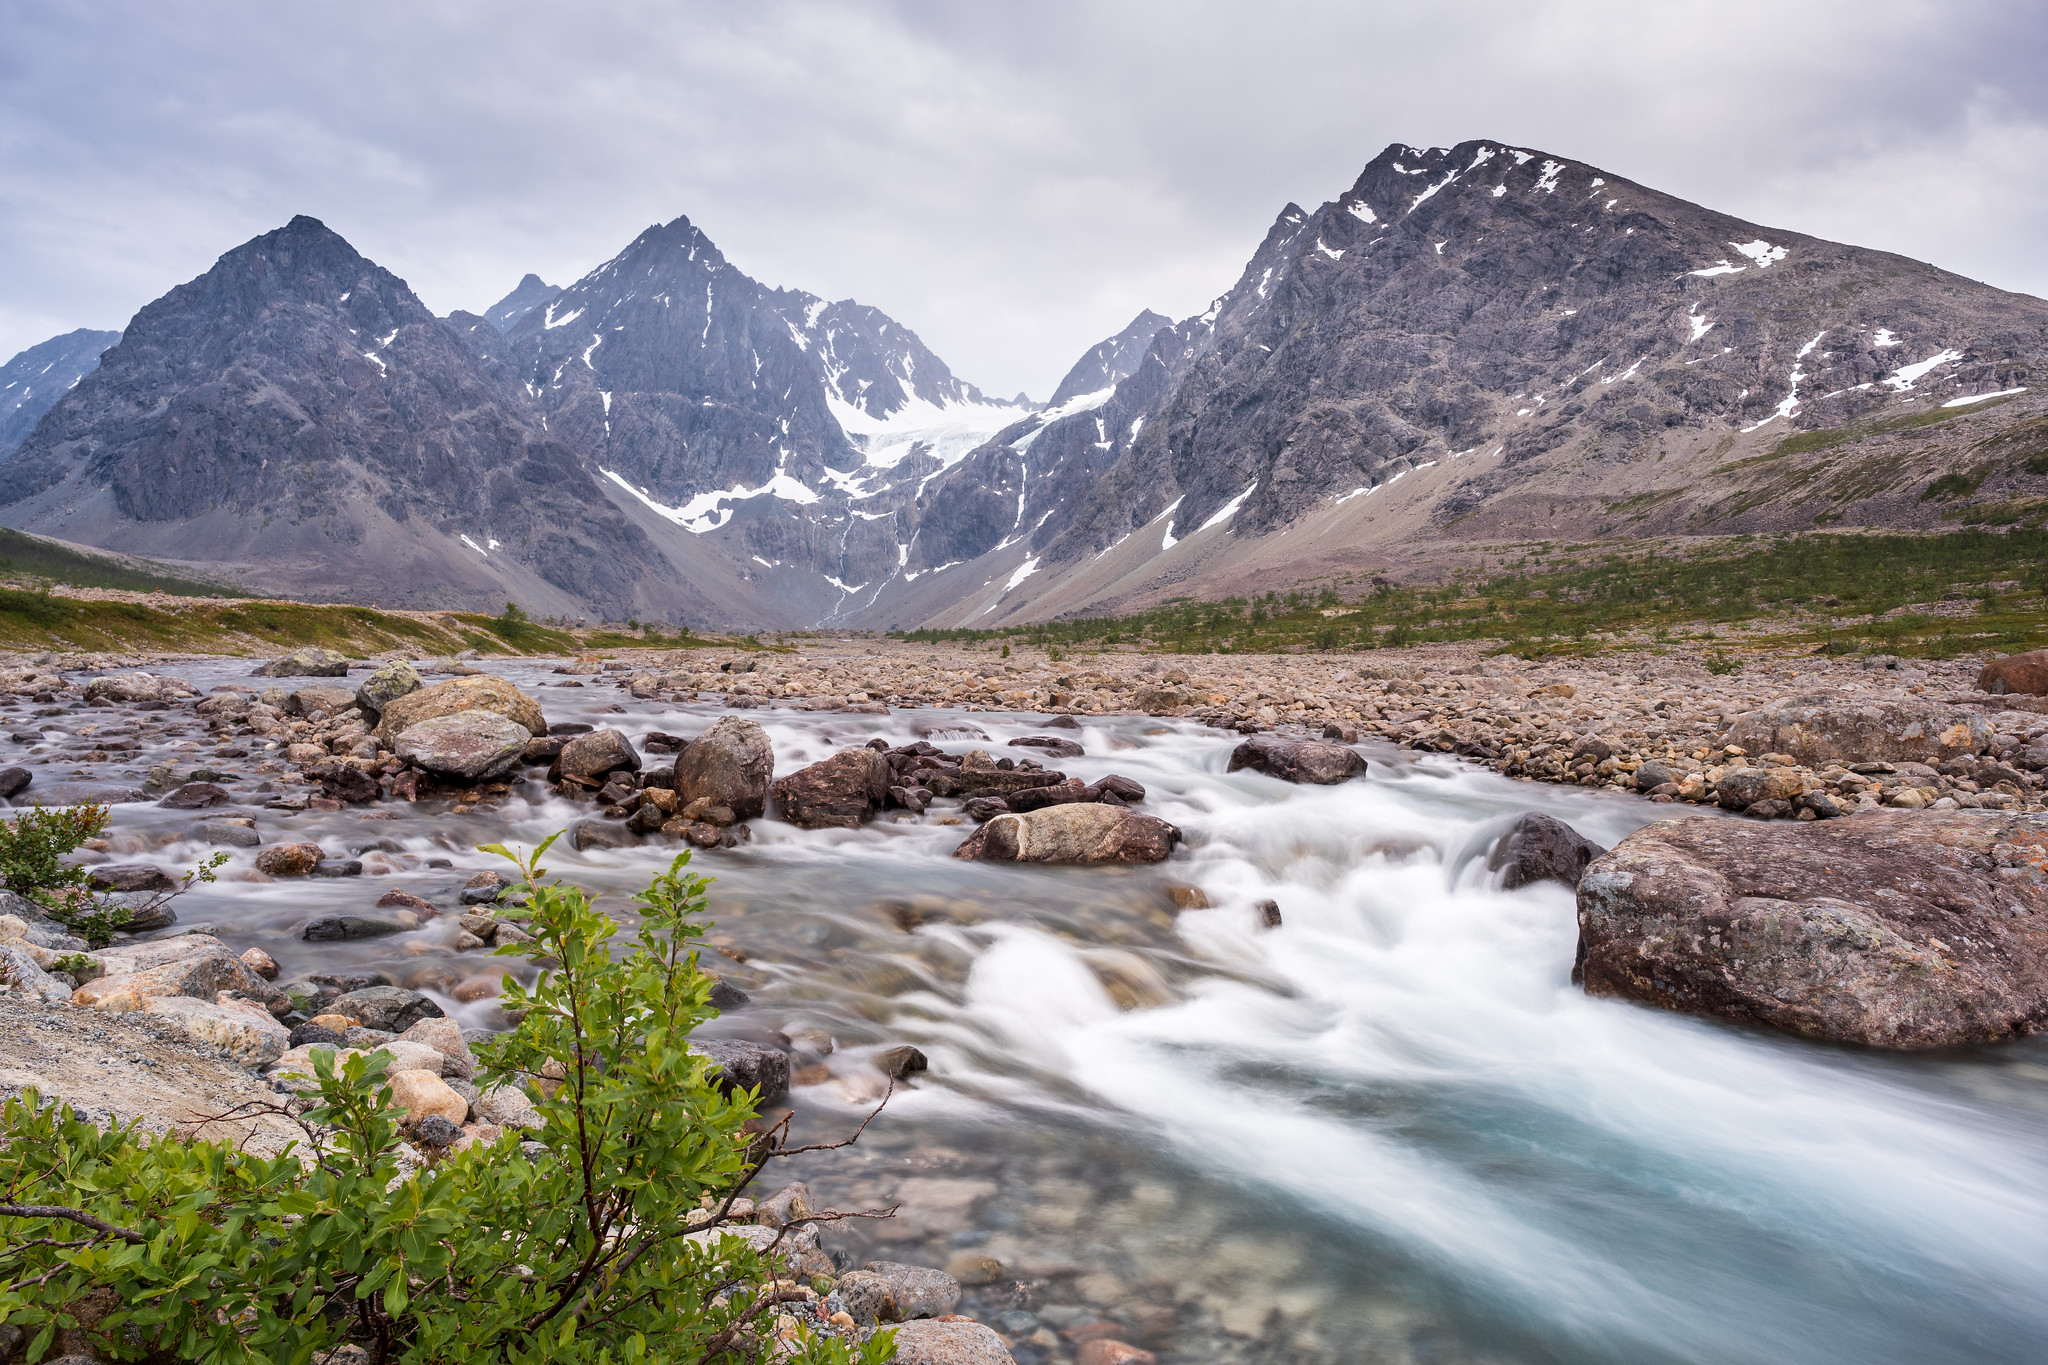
(1389, 1130)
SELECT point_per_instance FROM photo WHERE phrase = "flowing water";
(1390, 1130)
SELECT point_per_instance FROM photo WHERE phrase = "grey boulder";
(732, 763)
(1297, 760)
(386, 685)
(469, 746)
(593, 757)
(309, 662)
(1076, 833)
(844, 791)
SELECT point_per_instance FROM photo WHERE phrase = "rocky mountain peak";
(1111, 361)
(530, 293)
(32, 382)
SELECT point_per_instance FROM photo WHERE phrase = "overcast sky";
(1013, 181)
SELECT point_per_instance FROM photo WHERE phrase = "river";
(1389, 1130)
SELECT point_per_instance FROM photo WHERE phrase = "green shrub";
(32, 849)
(573, 1251)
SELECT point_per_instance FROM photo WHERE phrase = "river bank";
(1390, 1128)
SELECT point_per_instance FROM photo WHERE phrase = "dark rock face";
(1539, 848)
(297, 408)
(844, 791)
(1297, 760)
(2016, 673)
(1111, 361)
(1907, 930)
(1076, 833)
(390, 1008)
(32, 382)
(730, 764)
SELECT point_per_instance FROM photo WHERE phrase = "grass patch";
(1829, 437)
(24, 556)
(1619, 598)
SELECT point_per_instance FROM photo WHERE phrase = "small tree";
(579, 1249)
(32, 849)
(514, 614)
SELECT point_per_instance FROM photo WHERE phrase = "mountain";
(1110, 362)
(1527, 347)
(786, 434)
(296, 417)
(530, 293)
(32, 382)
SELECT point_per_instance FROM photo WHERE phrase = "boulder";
(195, 965)
(316, 698)
(1886, 930)
(20, 974)
(130, 877)
(14, 781)
(1875, 732)
(920, 1291)
(1157, 701)
(245, 1032)
(1538, 848)
(479, 692)
(1651, 775)
(602, 834)
(391, 1008)
(309, 662)
(746, 1066)
(842, 792)
(125, 687)
(868, 1298)
(469, 746)
(1079, 833)
(593, 757)
(445, 1036)
(1051, 745)
(289, 860)
(423, 1094)
(508, 1107)
(298, 1061)
(1297, 760)
(344, 781)
(387, 685)
(2026, 673)
(1058, 794)
(731, 763)
(336, 928)
(931, 1341)
(232, 833)
(1741, 788)
(195, 796)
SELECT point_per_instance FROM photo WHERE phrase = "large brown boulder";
(2016, 673)
(1890, 930)
(1297, 760)
(731, 763)
(949, 1341)
(1539, 847)
(845, 791)
(480, 692)
(1080, 833)
(1875, 732)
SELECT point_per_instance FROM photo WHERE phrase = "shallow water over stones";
(1388, 1130)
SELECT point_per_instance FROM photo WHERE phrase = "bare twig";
(78, 1216)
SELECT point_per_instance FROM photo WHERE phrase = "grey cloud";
(1012, 181)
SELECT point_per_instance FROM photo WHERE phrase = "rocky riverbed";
(1164, 950)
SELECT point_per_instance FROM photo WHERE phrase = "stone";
(1057, 794)
(1538, 847)
(1596, 747)
(14, 781)
(2027, 673)
(1652, 775)
(310, 1032)
(309, 662)
(468, 746)
(731, 764)
(317, 699)
(930, 1341)
(1268, 912)
(973, 1268)
(386, 685)
(920, 1291)
(391, 1008)
(423, 1093)
(1876, 732)
(124, 687)
(1109, 1351)
(482, 692)
(901, 1062)
(444, 1035)
(1158, 701)
(593, 757)
(1297, 760)
(1050, 745)
(196, 965)
(507, 1106)
(431, 1129)
(1903, 931)
(602, 834)
(482, 889)
(289, 860)
(1127, 789)
(1741, 788)
(983, 808)
(842, 792)
(339, 867)
(345, 781)
(245, 1032)
(298, 1061)
(785, 1206)
(867, 1298)
(339, 928)
(395, 899)
(911, 799)
(230, 833)
(20, 974)
(195, 796)
(261, 963)
(1078, 833)
(130, 877)
(1341, 732)
(746, 1066)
